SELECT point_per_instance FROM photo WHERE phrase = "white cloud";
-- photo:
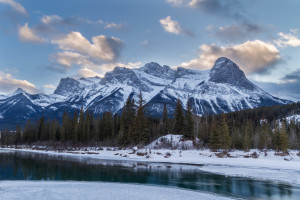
(49, 86)
(114, 26)
(27, 34)
(288, 39)
(16, 6)
(8, 84)
(102, 47)
(177, 2)
(171, 26)
(69, 58)
(86, 72)
(49, 19)
(252, 56)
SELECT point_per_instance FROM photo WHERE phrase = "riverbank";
(253, 164)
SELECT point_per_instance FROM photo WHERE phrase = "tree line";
(133, 127)
(253, 128)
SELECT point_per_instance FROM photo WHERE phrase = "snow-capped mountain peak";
(157, 70)
(224, 88)
(226, 71)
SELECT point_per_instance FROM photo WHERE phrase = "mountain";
(224, 88)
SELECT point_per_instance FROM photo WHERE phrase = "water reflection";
(32, 166)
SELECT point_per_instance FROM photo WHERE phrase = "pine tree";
(127, 120)
(18, 134)
(40, 128)
(246, 141)
(81, 127)
(179, 119)
(66, 127)
(276, 137)
(74, 132)
(189, 130)
(215, 140)
(87, 123)
(264, 134)
(141, 130)
(283, 138)
(225, 133)
(165, 120)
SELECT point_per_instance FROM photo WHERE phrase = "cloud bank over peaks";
(8, 83)
(252, 56)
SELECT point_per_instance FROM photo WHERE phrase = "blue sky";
(44, 41)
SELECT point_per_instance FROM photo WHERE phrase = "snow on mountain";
(224, 88)
(294, 118)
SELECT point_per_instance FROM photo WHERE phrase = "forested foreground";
(253, 128)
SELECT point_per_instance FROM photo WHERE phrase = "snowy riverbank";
(253, 164)
(58, 190)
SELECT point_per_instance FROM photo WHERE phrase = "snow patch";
(172, 142)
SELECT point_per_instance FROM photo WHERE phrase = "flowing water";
(34, 166)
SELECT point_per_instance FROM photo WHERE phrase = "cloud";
(49, 19)
(288, 39)
(231, 9)
(236, 32)
(8, 84)
(292, 77)
(27, 34)
(251, 56)
(49, 86)
(172, 26)
(86, 72)
(177, 2)
(69, 58)
(102, 47)
(16, 6)
(100, 70)
(114, 26)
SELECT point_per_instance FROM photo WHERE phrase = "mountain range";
(223, 88)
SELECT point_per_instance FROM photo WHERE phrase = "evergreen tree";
(165, 120)
(179, 119)
(283, 138)
(264, 134)
(40, 128)
(215, 139)
(141, 131)
(246, 141)
(189, 130)
(74, 133)
(81, 127)
(225, 133)
(127, 120)
(18, 134)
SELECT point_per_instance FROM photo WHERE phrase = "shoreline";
(270, 167)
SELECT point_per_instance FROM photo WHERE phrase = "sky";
(44, 41)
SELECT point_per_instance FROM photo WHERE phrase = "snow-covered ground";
(56, 190)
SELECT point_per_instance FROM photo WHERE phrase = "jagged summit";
(226, 71)
(67, 86)
(157, 70)
(18, 91)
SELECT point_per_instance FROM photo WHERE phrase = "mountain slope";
(224, 88)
